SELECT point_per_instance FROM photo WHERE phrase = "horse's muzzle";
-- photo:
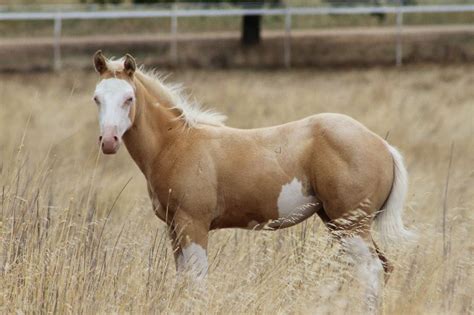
(109, 142)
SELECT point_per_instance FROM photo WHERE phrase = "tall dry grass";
(77, 233)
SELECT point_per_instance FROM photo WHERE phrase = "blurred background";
(77, 231)
(235, 33)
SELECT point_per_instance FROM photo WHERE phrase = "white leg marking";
(368, 267)
(193, 260)
(292, 200)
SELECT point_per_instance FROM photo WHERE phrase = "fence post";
(399, 48)
(174, 36)
(287, 44)
(57, 42)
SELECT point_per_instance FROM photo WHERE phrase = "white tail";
(388, 223)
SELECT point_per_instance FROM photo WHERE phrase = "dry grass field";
(77, 233)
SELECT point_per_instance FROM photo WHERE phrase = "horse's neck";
(152, 129)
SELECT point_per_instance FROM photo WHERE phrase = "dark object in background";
(251, 30)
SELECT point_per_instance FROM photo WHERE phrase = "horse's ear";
(129, 65)
(100, 63)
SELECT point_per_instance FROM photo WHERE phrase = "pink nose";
(109, 142)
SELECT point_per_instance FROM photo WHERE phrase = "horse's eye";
(129, 100)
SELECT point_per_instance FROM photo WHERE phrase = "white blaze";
(193, 259)
(112, 95)
(292, 200)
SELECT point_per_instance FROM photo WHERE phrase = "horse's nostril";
(103, 144)
(115, 138)
(100, 138)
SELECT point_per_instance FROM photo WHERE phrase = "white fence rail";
(175, 13)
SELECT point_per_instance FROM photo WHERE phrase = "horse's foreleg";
(189, 238)
(175, 247)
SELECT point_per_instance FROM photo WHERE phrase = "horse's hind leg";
(387, 265)
(368, 267)
(368, 261)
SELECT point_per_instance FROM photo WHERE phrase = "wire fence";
(174, 13)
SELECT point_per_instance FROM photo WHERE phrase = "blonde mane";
(192, 113)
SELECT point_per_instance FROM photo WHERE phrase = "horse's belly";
(293, 207)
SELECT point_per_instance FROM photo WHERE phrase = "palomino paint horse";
(203, 175)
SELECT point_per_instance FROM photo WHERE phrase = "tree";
(251, 24)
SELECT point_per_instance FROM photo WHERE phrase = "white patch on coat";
(368, 267)
(292, 199)
(112, 95)
(193, 260)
